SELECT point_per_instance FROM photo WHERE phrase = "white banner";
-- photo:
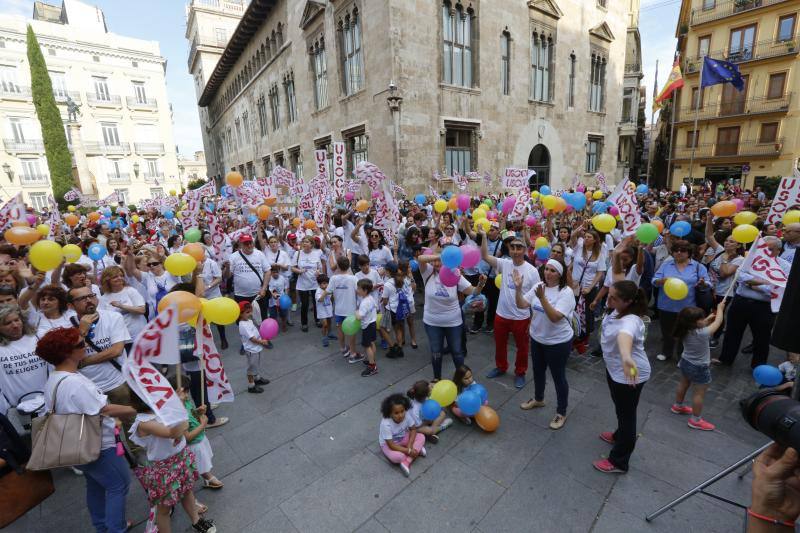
(219, 388)
(787, 197)
(516, 178)
(601, 181)
(762, 264)
(624, 198)
(217, 236)
(111, 199)
(520, 205)
(13, 210)
(339, 170)
(321, 162)
(54, 219)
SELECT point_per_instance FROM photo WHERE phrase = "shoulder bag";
(256, 272)
(64, 440)
(703, 295)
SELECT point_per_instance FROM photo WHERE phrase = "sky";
(137, 19)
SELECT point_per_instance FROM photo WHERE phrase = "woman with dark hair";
(22, 373)
(52, 309)
(552, 303)
(722, 261)
(124, 299)
(108, 476)
(589, 265)
(627, 369)
(377, 250)
(174, 244)
(308, 264)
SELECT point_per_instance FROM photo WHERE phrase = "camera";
(774, 414)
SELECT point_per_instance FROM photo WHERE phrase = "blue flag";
(716, 71)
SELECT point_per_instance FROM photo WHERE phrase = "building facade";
(121, 138)
(192, 169)
(745, 136)
(415, 87)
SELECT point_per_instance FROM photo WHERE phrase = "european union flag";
(716, 71)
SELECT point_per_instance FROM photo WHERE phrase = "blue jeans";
(436, 337)
(553, 356)
(107, 482)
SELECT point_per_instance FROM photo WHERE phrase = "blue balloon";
(469, 402)
(543, 253)
(599, 207)
(545, 190)
(680, 228)
(168, 214)
(448, 195)
(285, 301)
(767, 375)
(112, 224)
(107, 212)
(642, 189)
(210, 207)
(414, 265)
(252, 219)
(420, 199)
(430, 409)
(481, 391)
(96, 251)
(452, 256)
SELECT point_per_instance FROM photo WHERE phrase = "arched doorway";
(539, 161)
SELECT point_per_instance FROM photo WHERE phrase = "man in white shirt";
(250, 270)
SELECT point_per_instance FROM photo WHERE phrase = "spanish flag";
(675, 81)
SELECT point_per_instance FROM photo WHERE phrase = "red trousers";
(518, 328)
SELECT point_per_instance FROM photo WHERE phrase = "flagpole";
(695, 132)
(652, 120)
(671, 140)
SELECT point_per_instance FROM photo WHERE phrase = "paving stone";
(372, 526)
(272, 522)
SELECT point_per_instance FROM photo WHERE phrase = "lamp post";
(9, 172)
(136, 169)
(395, 100)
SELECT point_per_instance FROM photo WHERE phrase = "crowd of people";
(546, 277)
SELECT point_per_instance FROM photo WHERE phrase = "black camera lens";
(774, 414)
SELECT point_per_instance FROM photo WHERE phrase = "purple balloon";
(448, 277)
(508, 204)
(471, 255)
(462, 202)
(269, 329)
(349, 196)
(31, 219)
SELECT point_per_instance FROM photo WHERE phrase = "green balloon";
(647, 233)
(351, 325)
(192, 235)
(489, 202)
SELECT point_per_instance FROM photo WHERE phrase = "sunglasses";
(153, 264)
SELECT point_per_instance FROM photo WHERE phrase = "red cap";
(291, 236)
(244, 237)
(244, 305)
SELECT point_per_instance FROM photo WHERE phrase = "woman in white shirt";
(121, 297)
(307, 265)
(627, 369)
(589, 265)
(552, 303)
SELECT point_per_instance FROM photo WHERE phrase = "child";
(170, 470)
(411, 284)
(463, 379)
(278, 286)
(367, 313)
(789, 368)
(344, 302)
(418, 393)
(252, 343)
(398, 437)
(324, 306)
(398, 300)
(694, 330)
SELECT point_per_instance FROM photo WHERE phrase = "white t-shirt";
(442, 308)
(632, 275)
(375, 278)
(309, 263)
(506, 303)
(344, 294)
(156, 284)
(584, 272)
(324, 307)
(245, 281)
(280, 257)
(390, 430)
(248, 330)
(368, 311)
(391, 294)
(21, 371)
(211, 271)
(76, 395)
(380, 256)
(542, 329)
(44, 324)
(158, 448)
(109, 330)
(633, 326)
(127, 296)
(277, 285)
(414, 412)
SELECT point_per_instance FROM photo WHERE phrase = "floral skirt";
(168, 480)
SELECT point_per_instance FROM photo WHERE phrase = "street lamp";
(136, 168)
(9, 172)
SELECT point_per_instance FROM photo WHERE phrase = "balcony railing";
(12, 91)
(149, 148)
(139, 103)
(111, 100)
(35, 180)
(760, 50)
(34, 146)
(726, 9)
(740, 149)
(151, 177)
(235, 6)
(122, 177)
(632, 68)
(94, 147)
(750, 106)
(61, 96)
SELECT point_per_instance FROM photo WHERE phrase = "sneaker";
(76, 471)
(713, 343)
(392, 353)
(255, 389)
(404, 468)
(681, 409)
(261, 381)
(607, 436)
(519, 381)
(473, 331)
(220, 421)
(446, 423)
(204, 525)
(356, 358)
(423, 452)
(432, 438)
(607, 467)
(325, 342)
(489, 331)
(304, 329)
(270, 345)
(467, 421)
(384, 344)
(332, 336)
(531, 404)
(495, 372)
(346, 353)
(661, 357)
(371, 370)
(701, 424)
(558, 421)
(399, 353)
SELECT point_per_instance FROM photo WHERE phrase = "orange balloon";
(487, 419)
(188, 304)
(724, 209)
(195, 250)
(658, 224)
(271, 201)
(21, 236)
(310, 224)
(452, 204)
(234, 179)
(20, 224)
(71, 220)
(362, 206)
(296, 222)
(263, 212)
(94, 216)
(561, 205)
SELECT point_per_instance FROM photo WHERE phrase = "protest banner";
(339, 169)
(786, 197)
(13, 210)
(624, 197)
(516, 178)
(765, 265)
(219, 388)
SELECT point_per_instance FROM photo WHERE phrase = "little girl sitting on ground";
(418, 393)
(463, 380)
(398, 436)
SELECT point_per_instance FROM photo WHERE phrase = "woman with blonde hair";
(121, 297)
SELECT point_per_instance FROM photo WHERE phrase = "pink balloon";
(349, 196)
(508, 204)
(269, 329)
(462, 202)
(530, 221)
(376, 194)
(738, 201)
(581, 188)
(471, 256)
(492, 215)
(449, 278)
(32, 219)
(569, 209)
(613, 210)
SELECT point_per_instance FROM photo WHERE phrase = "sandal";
(414, 345)
(201, 508)
(213, 483)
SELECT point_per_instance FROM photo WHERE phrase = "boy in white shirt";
(343, 287)
(252, 344)
(324, 306)
(278, 286)
(367, 313)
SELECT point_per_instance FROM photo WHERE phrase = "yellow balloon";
(43, 229)
(478, 214)
(188, 304)
(549, 201)
(135, 218)
(440, 206)
(180, 264)
(541, 242)
(486, 224)
(71, 252)
(498, 281)
(604, 223)
(597, 195)
(675, 288)
(744, 233)
(221, 310)
(179, 214)
(745, 217)
(71, 208)
(476, 224)
(444, 392)
(45, 255)
(791, 217)
(173, 192)
(534, 195)
(378, 318)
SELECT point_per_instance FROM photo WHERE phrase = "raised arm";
(710, 240)
(492, 260)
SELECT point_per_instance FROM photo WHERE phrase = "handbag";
(703, 296)
(64, 439)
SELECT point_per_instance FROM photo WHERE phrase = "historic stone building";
(415, 87)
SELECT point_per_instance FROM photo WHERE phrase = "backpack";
(403, 307)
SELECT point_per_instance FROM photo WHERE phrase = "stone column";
(81, 163)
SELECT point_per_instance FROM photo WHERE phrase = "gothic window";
(542, 53)
(351, 54)
(597, 82)
(458, 57)
(319, 67)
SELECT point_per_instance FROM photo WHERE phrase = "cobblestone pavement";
(304, 455)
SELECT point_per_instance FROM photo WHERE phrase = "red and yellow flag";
(675, 81)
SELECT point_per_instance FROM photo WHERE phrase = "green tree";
(55, 140)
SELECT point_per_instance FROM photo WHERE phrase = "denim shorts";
(339, 319)
(697, 374)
